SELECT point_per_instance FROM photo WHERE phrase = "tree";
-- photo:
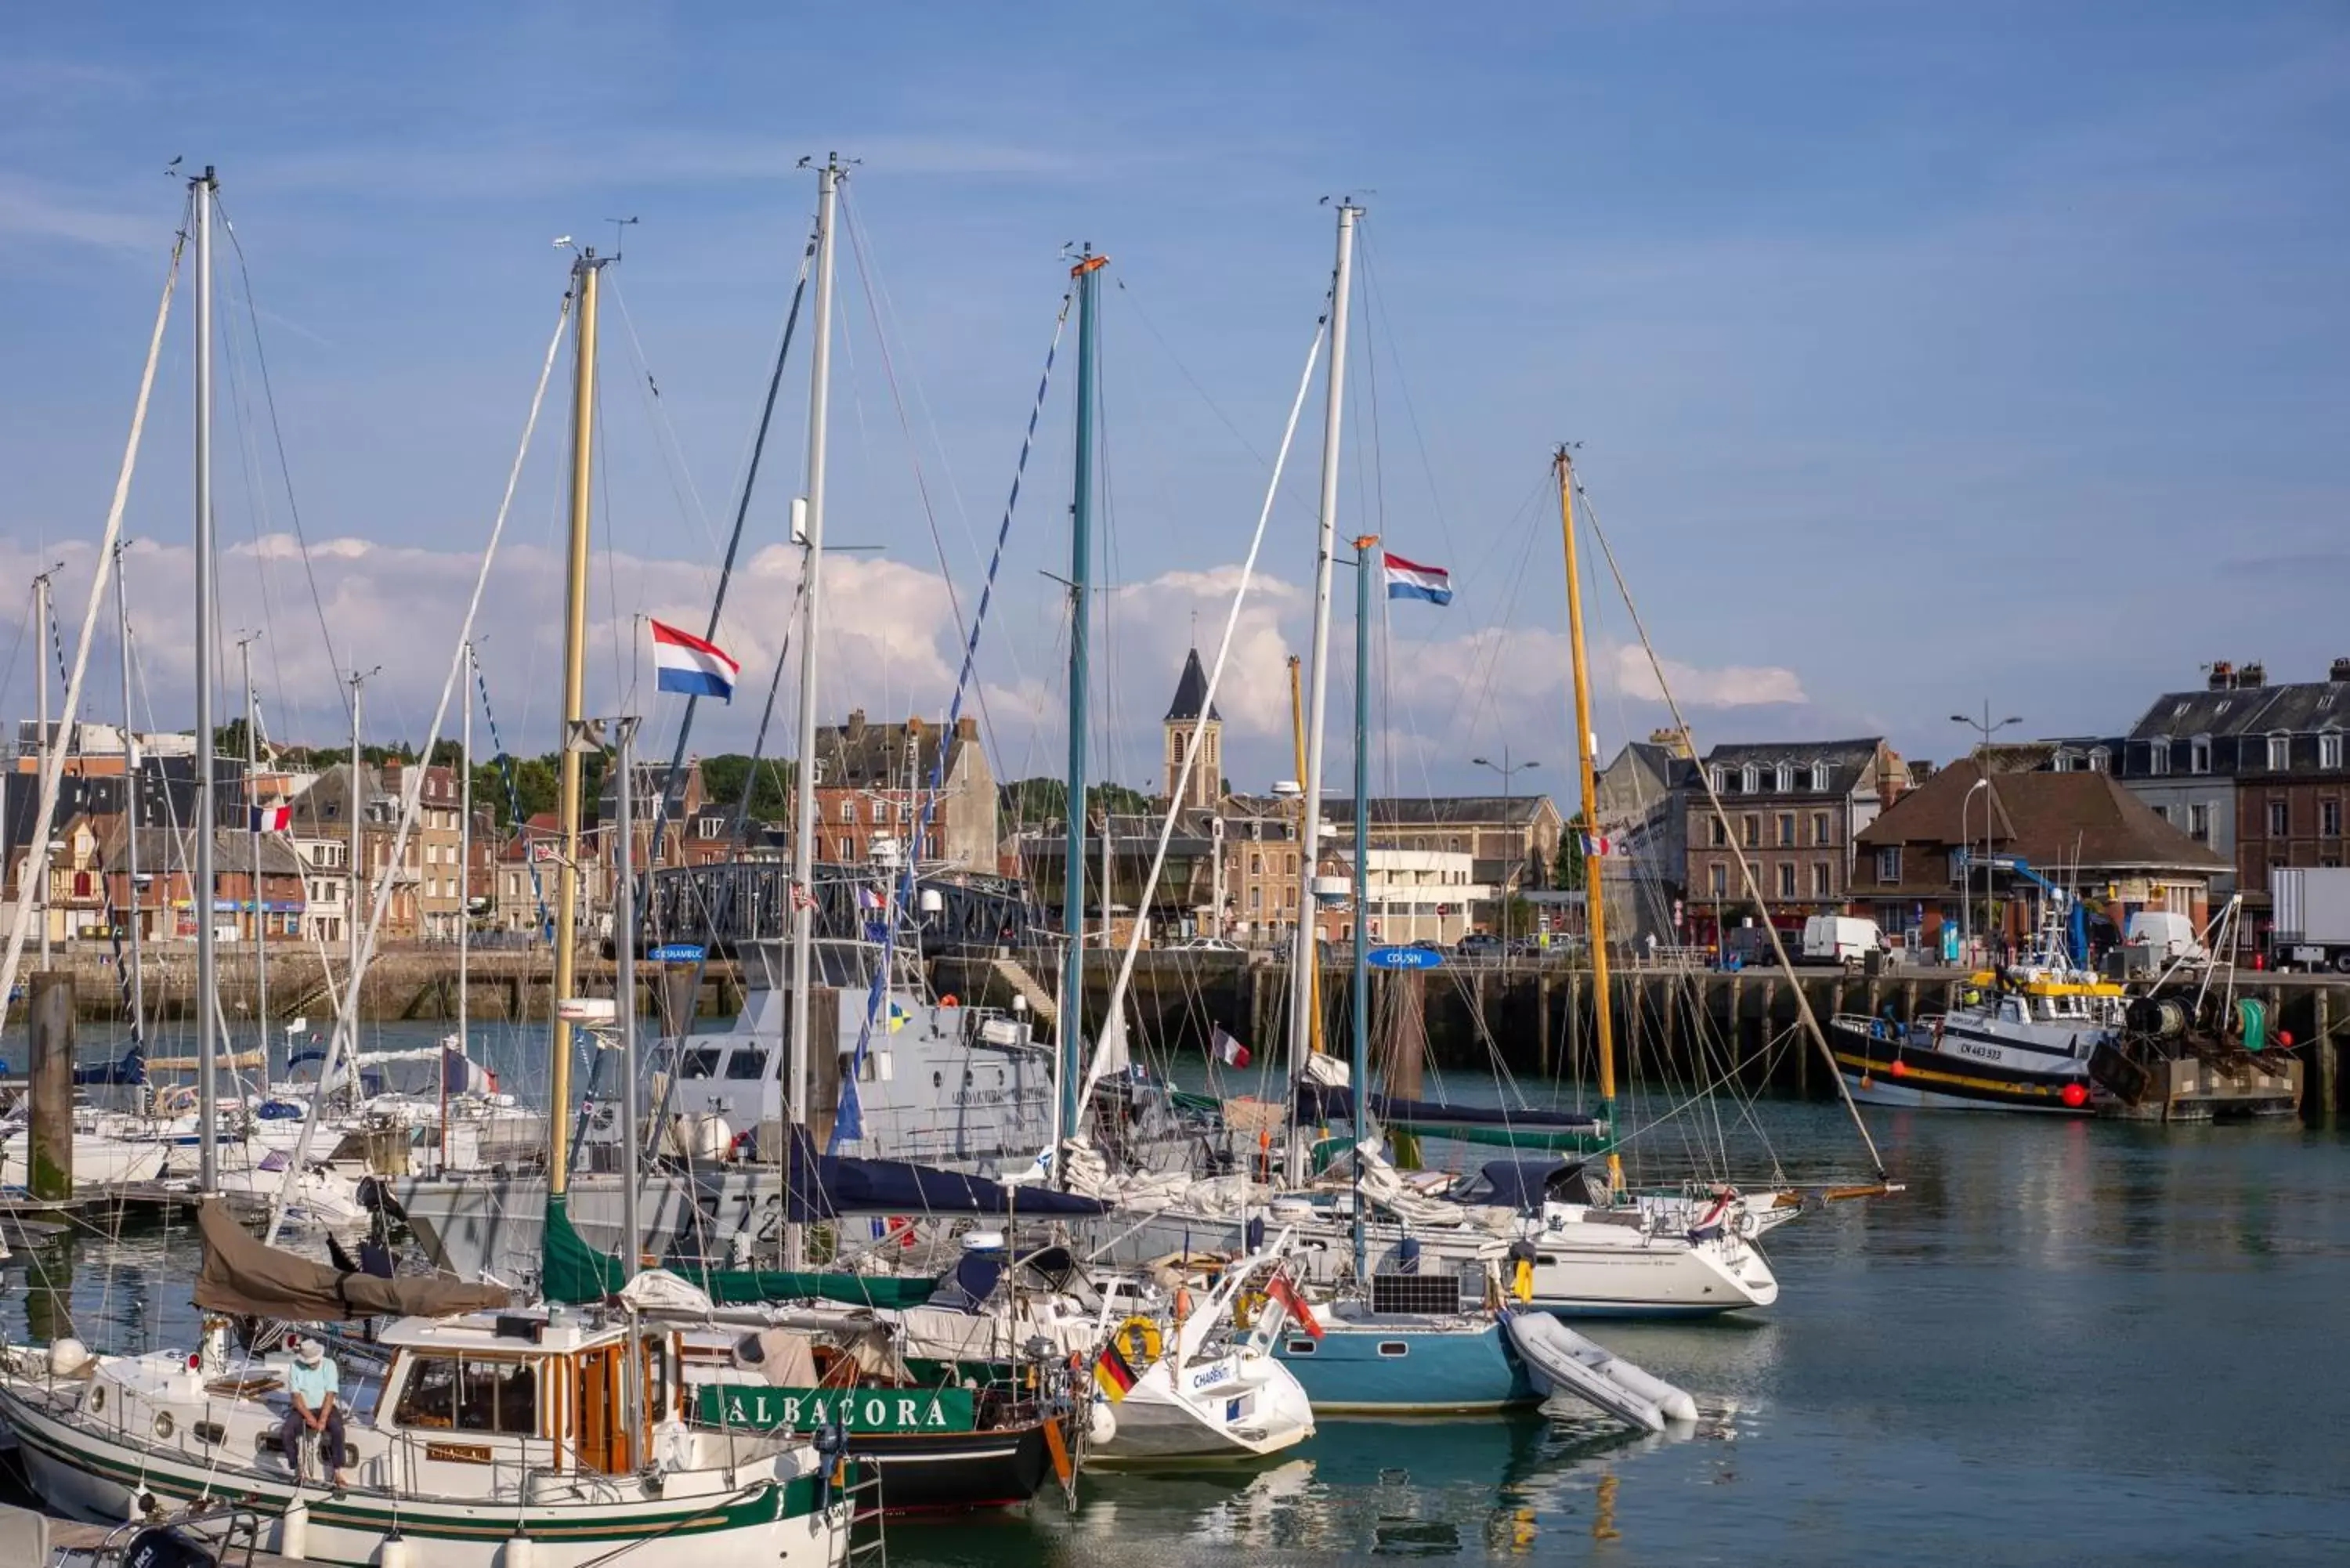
(1566, 874)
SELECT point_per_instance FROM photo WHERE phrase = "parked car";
(1479, 944)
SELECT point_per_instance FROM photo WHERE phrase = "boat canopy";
(1525, 1185)
(1317, 1102)
(242, 1276)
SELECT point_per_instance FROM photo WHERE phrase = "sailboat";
(497, 1432)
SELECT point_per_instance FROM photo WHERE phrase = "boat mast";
(129, 804)
(1360, 1063)
(204, 187)
(1088, 274)
(585, 272)
(356, 812)
(253, 849)
(465, 900)
(41, 683)
(827, 189)
(1596, 919)
(624, 990)
(1303, 978)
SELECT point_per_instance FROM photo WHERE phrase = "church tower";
(1182, 714)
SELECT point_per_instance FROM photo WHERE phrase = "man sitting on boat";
(314, 1385)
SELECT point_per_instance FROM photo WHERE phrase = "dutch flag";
(1408, 580)
(690, 665)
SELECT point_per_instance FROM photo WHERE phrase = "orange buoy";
(949, 1001)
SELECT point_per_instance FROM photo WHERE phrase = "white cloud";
(1733, 686)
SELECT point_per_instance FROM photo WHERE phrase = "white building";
(1417, 895)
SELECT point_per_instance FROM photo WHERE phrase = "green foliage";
(723, 778)
(1032, 802)
(1566, 873)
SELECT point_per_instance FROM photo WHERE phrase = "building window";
(2198, 823)
(880, 813)
(1888, 866)
(1786, 779)
(1293, 864)
(2158, 758)
(1749, 778)
(848, 810)
(2279, 818)
(1820, 777)
(2098, 758)
(2329, 819)
(1721, 880)
(1823, 879)
(1256, 897)
(1256, 865)
(1720, 837)
(2329, 750)
(2280, 752)
(1753, 826)
(1786, 879)
(2198, 754)
(1720, 780)
(1823, 832)
(2062, 763)
(1786, 830)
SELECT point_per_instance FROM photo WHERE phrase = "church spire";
(1207, 785)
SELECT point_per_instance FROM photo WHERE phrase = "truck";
(2312, 929)
(1846, 940)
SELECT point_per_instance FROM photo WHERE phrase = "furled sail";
(242, 1276)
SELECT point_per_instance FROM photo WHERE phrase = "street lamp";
(1984, 730)
(1508, 770)
(1966, 879)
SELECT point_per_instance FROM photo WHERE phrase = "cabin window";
(429, 1397)
(701, 1061)
(497, 1396)
(1300, 1347)
(747, 1063)
(1393, 1348)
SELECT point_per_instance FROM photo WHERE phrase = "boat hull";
(1917, 1074)
(1399, 1366)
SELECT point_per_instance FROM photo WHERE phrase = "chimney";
(2253, 677)
(967, 727)
(2340, 671)
(2223, 675)
(855, 728)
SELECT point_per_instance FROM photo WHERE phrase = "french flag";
(1410, 580)
(271, 818)
(1596, 843)
(690, 665)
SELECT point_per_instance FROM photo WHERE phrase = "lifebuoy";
(1138, 1340)
(949, 1001)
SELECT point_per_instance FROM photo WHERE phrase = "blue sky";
(1921, 354)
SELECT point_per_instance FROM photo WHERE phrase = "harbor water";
(2065, 1342)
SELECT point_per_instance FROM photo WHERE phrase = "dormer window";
(2280, 752)
(2099, 759)
(1820, 777)
(2061, 762)
(2158, 758)
(1749, 778)
(1786, 779)
(2329, 750)
(1720, 780)
(2198, 754)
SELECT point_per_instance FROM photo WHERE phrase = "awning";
(242, 1276)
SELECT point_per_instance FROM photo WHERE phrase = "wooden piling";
(1541, 1020)
(49, 1073)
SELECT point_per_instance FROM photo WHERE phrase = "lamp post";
(1966, 919)
(1509, 770)
(1984, 730)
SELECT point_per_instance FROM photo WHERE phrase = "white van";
(2169, 935)
(1843, 938)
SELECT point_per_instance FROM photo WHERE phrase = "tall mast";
(1360, 1062)
(41, 673)
(253, 847)
(464, 897)
(584, 272)
(827, 194)
(624, 988)
(204, 186)
(129, 804)
(1302, 978)
(1596, 923)
(355, 811)
(1088, 274)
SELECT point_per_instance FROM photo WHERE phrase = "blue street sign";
(676, 953)
(1403, 958)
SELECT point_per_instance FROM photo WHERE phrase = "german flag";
(1112, 1375)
